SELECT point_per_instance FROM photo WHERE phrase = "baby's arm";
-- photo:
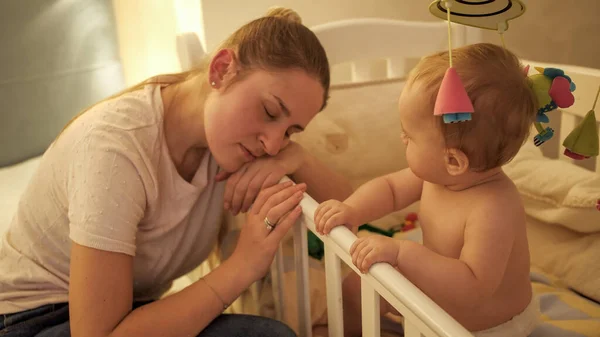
(459, 284)
(371, 201)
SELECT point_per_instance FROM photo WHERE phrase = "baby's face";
(424, 142)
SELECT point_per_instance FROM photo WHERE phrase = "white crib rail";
(421, 315)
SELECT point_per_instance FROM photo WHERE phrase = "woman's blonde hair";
(276, 41)
(505, 106)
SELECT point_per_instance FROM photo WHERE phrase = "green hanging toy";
(582, 142)
(553, 89)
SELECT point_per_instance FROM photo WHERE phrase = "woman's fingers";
(277, 212)
(240, 190)
(271, 180)
(278, 197)
(284, 226)
(254, 187)
(231, 186)
(265, 194)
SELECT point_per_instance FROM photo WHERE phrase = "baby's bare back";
(443, 216)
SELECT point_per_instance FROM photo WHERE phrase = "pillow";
(556, 191)
(570, 256)
(358, 134)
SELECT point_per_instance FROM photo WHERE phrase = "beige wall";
(556, 31)
(222, 18)
(146, 33)
(147, 28)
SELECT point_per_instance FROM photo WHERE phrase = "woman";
(129, 196)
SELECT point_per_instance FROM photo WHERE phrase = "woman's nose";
(272, 143)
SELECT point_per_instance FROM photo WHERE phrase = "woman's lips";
(247, 154)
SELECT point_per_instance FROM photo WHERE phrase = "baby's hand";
(372, 249)
(333, 213)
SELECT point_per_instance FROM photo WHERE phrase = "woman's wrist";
(244, 272)
(228, 281)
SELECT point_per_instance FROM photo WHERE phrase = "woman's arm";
(244, 185)
(101, 297)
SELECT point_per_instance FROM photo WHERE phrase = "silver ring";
(270, 225)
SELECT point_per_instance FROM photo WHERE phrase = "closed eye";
(291, 131)
(268, 114)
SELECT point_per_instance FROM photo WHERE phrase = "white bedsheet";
(13, 181)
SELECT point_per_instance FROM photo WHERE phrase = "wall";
(556, 31)
(559, 31)
(146, 32)
(223, 17)
(147, 28)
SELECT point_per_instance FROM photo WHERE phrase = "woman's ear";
(456, 162)
(223, 66)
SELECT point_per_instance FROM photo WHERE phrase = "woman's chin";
(228, 164)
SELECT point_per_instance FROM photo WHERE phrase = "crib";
(422, 317)
(353, 48)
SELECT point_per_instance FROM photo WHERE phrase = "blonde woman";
(129, 195)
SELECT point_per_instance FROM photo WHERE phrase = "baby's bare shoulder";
(502, 191)
(500, 200)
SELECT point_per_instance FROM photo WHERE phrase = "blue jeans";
(52, 320)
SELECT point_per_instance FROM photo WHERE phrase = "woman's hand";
(258, 242)
(243, 186)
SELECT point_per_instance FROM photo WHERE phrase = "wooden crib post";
(277, 284)
(302, 283)
(370, 310)
(410, 329)
(335, 309)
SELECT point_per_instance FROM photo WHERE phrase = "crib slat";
(396, 68)
(335, 309)
(301, 265)
(361, 71)
(411, 330)
(276, 281)
(370, 310)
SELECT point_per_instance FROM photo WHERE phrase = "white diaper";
(520, 325)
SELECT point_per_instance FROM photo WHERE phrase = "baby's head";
(504, 103)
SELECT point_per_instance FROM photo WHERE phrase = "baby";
(474, 261)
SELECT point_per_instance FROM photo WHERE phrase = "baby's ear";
(456, 162)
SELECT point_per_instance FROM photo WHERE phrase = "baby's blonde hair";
(505, 106)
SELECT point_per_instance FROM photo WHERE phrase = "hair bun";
(284, 13)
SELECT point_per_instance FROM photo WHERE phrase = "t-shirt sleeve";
(106, 194)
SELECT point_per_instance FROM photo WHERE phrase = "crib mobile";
(552, 87)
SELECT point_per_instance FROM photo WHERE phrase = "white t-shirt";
(109, 183)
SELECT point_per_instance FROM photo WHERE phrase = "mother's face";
(256, 114)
